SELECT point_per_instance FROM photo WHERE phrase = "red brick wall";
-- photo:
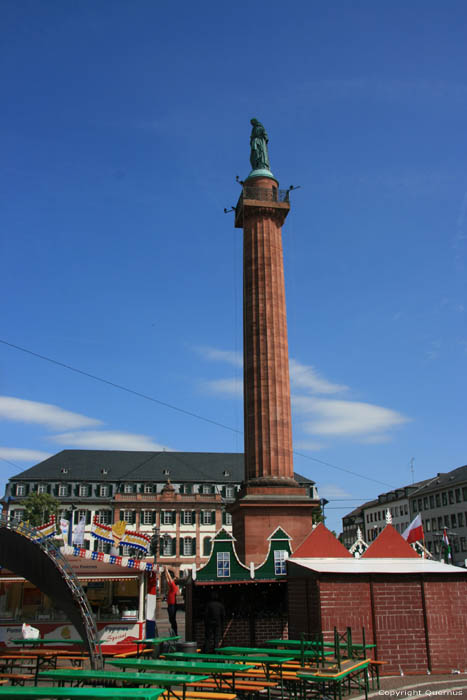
(399, 624)
(346, 603)
(245, 632)
(446, 612)
(303, 606)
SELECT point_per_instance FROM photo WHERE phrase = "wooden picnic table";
(161, 680)
(27, 692)
(154, 642)
(269, 664)
(255, 651)
(353, 673)
(45, 640)
(219, 671)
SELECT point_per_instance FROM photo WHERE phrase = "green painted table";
(26, 692)
(154, 642)
(42, 642)
(161, 680)
(292, 653)
(354, 674)
(219, 671)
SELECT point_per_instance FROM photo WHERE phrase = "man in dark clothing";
(214, 617)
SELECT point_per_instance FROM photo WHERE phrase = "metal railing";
(265, 194)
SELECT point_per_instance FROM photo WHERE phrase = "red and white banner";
(414, 533)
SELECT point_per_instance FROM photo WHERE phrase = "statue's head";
(255, 122)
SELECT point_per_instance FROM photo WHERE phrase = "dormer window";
(226, 473)
(166, 472)
(64, 470)
(104, 471)
(20, 489)
(128, 488)
(206, 488)
(63, 490)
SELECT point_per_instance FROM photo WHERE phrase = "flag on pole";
(447, 545)
(78, 535)
(414, 533)
(151, 605)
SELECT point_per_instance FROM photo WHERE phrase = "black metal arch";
(43, 565)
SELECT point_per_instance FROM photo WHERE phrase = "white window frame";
(83, 491)
(147, 488)
(128, 488)
(230, 492)
(167, 547)
(146, 518)
(206, 489)
(280, 557)
(223, 564)
(166, 517)
(62, 491)
(42, 488)
(82, 514)
(187, 547)
(104, 517)
(187, 517)
(128, 516)
(206, 517)
(228, 518)
(104, 491)
(20, 490)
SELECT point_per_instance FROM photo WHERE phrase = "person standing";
(172, 598)
(214, 618)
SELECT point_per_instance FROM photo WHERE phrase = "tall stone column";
(270, 496)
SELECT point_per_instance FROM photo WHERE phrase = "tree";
(39, 507)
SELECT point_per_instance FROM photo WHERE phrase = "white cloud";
(346, 418)
(109, 440)
(333, 491)
(225, 387)
(308, 445)
(19, 454)
(229, 356)
(306, 377)
(46, 414)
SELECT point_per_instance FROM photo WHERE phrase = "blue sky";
(123, 127)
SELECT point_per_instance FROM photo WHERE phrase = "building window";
(280, 556)
(428, 525)
(104, 517)
(438, 500)
(82, 514)
(433, 523)
(463, 544)
(453, 520)
(420, 504)
(425, 502)
(228, 519)
(17, 514)
(128, 516)
(42, 488)
(187, 547)
(147, 518)
(187, 517)
(206, 488)
(20, 490)
(83, 491)
(223, 564)
(103, 491)
(451, 497)
(168, 517)
(167, 546)
(229, 492)
(206, 517)
(100, 546)
(460, 519)
(147, 488)
(207, 546)
(432, 501)
(63, 490)
(128, 488)
(440, 523)
(458, 495)
(444, 498)
(464, 493)
(446, 521)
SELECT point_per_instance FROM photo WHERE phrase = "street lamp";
(323, 502)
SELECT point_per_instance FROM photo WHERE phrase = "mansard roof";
(118, 465)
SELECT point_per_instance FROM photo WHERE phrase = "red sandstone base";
(260, 510)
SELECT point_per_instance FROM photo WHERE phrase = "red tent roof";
(321, 543)
(390, 543)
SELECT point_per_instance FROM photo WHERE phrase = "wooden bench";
(16, 678)
(134, 653)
